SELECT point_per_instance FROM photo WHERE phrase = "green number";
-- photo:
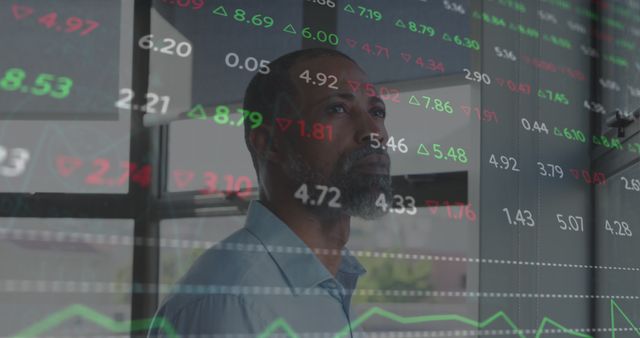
(222, 115)
(64, 85)
(239, 15)
(438, 104)
(462, 156)
(12, 79)
(412, 26)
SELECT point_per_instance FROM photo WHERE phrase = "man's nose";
(370, 128)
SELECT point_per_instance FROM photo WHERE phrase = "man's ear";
(265, 144)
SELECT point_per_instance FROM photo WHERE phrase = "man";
(287, 270)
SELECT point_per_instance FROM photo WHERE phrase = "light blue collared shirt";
(261, 280)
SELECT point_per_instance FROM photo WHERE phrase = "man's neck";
(316, 232)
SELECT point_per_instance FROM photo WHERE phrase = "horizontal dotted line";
(78, 237)
(110, 287)
(389, 334)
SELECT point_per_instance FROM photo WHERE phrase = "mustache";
(361, 153)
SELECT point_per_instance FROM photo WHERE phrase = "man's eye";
(381, 113)
(337, 109)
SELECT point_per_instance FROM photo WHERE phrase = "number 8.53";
(57, 87)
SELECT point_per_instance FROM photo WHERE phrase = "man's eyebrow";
(343, 95)
(351, 97)
(376, 100)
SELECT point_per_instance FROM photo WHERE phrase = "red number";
(369, 89)
(302, 129)
(184, 3)
(49, 20)
(229, 180)
(96, 178)
(395, 96)
(383, 95)
(420, 62)
(128, 169)
(380, 49)
(586, 176)
(366, 48)
(92, 25)
(143, 176)
(246, 191)
(448, 208)
(466, 110)
(211, 180)
(599, 178)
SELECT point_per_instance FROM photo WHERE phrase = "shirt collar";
(295, 259)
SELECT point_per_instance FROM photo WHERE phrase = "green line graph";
(99, 319)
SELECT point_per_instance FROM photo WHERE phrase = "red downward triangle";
(66, 165)
(406, 57)
(575, 173)
(432, 205)
(354, 85)
(283, 123)
(500, 81)
(352, 43)
(183, 177)
(21, 12)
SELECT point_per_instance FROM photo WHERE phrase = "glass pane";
(64, 277)
(185, 239)
(61, 72)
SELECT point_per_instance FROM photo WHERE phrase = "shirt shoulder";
(235, 266)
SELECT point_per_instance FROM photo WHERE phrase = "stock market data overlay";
(320, 168)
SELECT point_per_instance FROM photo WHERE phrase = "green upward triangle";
(422, 150)
(349, 9)
(197, 112)
(414, 101)
(220, 11)
(289, 29)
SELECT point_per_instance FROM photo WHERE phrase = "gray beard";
(358, 191)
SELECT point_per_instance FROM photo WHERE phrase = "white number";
(18, 158)
(145, 42)
(539, 127)
(248, 66)
(180, 51)
(183, 49)
(302, 194)
(400, 205)
(631, 184)
(167, 49)
(477, 76)
(332, 85)
(125, 102)
(576, 223)
(333, 203)
(264, 67)
(522, 217)
(623, 228)
(375, 140)
(229, 63)
(402, 146)
(553, 169)
(251, 64)
(507, 162)
(505, 53)
(153, 99)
